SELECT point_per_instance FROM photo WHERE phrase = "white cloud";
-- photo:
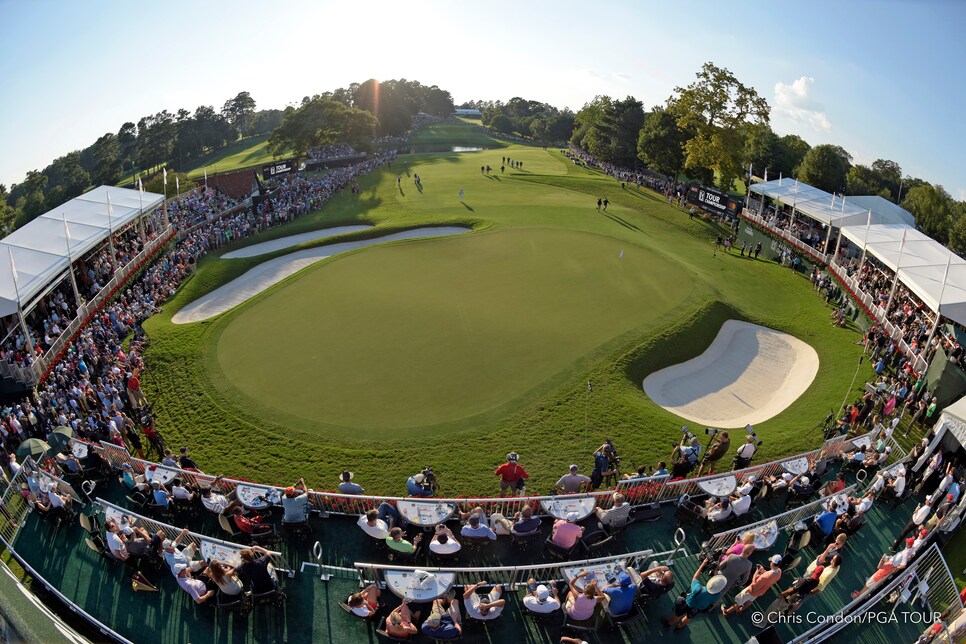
(622, 76)
(795, 101)
(962, 194)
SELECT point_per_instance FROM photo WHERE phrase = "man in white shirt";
(485, 607)
(747, 485)
(746, 452)
(571, 483)
(919, 516)
(541, 599)
(373, 526)
(618, 515)
(865, 504)
(180, 492)
(115, 543)
(444, 543)
(741, 505)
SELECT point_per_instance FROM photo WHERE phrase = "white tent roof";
(954, 418)
(39, 249)
(921, 263)
(817, 204)
(885, 210)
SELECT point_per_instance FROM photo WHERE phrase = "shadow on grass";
(467, 206)
(623, 222)
(493, 177)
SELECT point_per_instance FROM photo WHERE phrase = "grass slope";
(549, 416)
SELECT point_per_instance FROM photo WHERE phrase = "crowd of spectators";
(331, 151)
(195, 206)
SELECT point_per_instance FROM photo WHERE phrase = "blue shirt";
(161, 498)
(955, 490)
(601, 462)
(479, 531)
(415, 489)
(621, 599)
(699, 598)
(661, 472)
(826, 521)
(445, 631)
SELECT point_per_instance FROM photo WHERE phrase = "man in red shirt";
(512, 475)
(134, 394)
(251, 526)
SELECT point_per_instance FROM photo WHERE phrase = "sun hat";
(805, 480)
(290, 491)
(512, 457)
(573, 517)
(347, 476)
(419, 478)
(717, 584)
(776, 559)
(624, 579)
(574, 468)
(542, 592)
(167, 544)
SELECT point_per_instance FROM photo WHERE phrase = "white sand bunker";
(292, 240)
(749, 374)
(266, 275)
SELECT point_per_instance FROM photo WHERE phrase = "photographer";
(685, 455)
(423, 484)
(745, 453)
(606, 464)
(720, 445)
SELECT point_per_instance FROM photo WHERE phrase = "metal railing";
(784, 521)
(173, 532)
(799, 245)
(637, 492)
(927, 579)
(511, 577)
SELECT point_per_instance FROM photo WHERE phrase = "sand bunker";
(292, 240)
(266, 275)
(749, 374)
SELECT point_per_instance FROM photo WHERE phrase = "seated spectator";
(573, 482)
(801, 489)
(653, 582)
(444, 621)
(525, 522)
(581, 604)
(216, 502)
(719, 511)
(761, 583)
(373, 526)
(195, 588)
(131, 480)
(169, 460)
(250, 525)
(747, 485)
(618, 515)
(115, 541)
(180, 492)
(834, 486)
(444, 543)
(185, 462)
(566, 533)
(621, 595)
(160, 495)
(864, 504)
(364, 603)
(346, 486)
(294, 500)
(661, 470)
(396, 542)
(175, 557)
(258, 573)
(224, 576)
(59, 502)
(139, 542)
(400, 624)
(483, 607)
(476, 527)
(541, 599)
(740, 504)
(825, 521)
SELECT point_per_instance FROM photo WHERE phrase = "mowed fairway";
(426, 333)
(453, 351)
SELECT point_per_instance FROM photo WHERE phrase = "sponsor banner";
(711, 200)
(278, 168)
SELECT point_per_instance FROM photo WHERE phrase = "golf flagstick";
(620, 274)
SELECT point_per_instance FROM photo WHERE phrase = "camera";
(710, 431)
(612, 457)
(686, 434)
(751, 432)
(429, 479)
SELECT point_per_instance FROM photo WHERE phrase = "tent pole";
(828, 238)
(838, 241)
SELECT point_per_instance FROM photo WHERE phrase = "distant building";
(468, 112)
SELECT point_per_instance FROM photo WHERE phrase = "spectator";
(512, 475)
(653, 582)
(364, 603)
(444, 621)
(581, 603)
(175, 557)
(621, 595)
(761, 583)
(476, 527)
(195, 588)
(566, 532)
(618, 515)
(224, 576)
(257, 573)
(186, 462)
(541, 599)
(699, 599)
(444, 543)
(526, 523)
(346, 486)
(716, 451)
(251, 526)
(483, 608)
(573, 482)
(294, 503)
(400, 623)
(396, 542)
(373, 526)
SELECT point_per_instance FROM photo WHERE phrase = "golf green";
(424, 333)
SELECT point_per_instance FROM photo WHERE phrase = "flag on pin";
(622, 254)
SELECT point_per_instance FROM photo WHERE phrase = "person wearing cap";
(160, 494)
(834, 486)
(540, 598)
(740, 503)
(566, 532)
(721, 510)
(476, 526)
(919, 516)
(699, 599)
(800, 488)
(747, 485)
(572, 482)
(186, 462)
(195, 588)
(216, 502)
(603, 459)
(485, 607)
(444, 622)
(653, 582)
(512, 475)
(617, 515)
(745, 453)
(294, 501)
(761, 583)
(134, 393)
(620, 595)
(686, 456)
(400, 624)
(346, 486)
(175, 557)
(416, 486)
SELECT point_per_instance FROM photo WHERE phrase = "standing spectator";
(512, 475)
(573, 482)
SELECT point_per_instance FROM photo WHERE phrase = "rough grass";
(555, 422)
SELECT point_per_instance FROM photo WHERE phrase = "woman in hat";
(699, 599)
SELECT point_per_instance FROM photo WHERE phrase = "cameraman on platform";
(719, 446)
(746, 452)
(685, 455)
(606, 464)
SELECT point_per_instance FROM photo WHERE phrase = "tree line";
(181, 140)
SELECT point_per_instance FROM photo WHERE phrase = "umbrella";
(32, 447)
(60, 437)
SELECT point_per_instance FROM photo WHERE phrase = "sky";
(883, 79)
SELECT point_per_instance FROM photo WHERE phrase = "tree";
(862, 180)
(321, 121)
(660, 144)
(719, 109)
(502, 124)
(155, 183)
(933, 209)
(791, 150)
(957, 232)
(613, 130)
(127, 139)
(890, 175)
(825, 167)
(107, 161)
(31, 204)
(66, 180)
(6, 212)
(238, 111)
(761, 149)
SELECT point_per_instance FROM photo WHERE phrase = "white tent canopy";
(40, 248)
(819, 205)
(921, 263)
(884, 210)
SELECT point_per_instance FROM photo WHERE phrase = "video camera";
(612, 457)
(429, 479)
(686, 434)
(751, 432)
